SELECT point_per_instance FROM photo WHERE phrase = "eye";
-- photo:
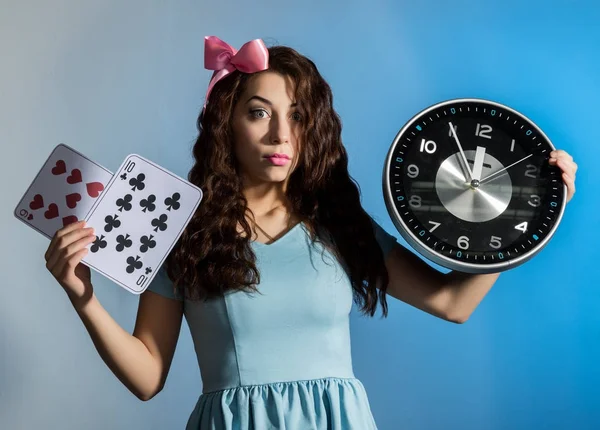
(297, 116)
(255, 113)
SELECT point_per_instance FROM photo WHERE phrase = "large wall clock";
(468, 185)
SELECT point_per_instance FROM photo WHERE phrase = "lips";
(278, 159)
(276, 155)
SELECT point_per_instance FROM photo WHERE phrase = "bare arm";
(452, 296)
(141, 360)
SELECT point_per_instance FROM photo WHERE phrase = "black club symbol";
(173, 202)
(160, 223)
(148, 270)
(133, 264)
(138, 183)
(148, 203)
(98, 244)
(123, 242)
(111, 222)
(147, 243)
(124, 203)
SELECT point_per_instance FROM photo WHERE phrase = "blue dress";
(279, 359)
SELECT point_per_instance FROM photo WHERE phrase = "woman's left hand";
(565, 162)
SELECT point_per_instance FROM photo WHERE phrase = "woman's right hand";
(63, 259)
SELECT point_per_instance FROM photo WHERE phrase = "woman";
(267, 270)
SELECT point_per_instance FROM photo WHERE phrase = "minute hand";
(490, 177)
(462, 153)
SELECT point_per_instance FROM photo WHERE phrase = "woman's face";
(266, 128)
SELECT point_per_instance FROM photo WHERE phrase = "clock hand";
(491, 176)
(478, 163)
(462, 154)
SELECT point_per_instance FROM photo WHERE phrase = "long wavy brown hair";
(212, 257)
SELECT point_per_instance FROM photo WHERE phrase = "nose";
(280, 130)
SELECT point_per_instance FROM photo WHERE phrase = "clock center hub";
(473, 201)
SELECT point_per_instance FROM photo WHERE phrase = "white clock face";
(468, 185)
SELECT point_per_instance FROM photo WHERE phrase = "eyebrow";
(264, 100)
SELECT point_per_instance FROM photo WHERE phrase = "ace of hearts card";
(63, 191)
(137, 221)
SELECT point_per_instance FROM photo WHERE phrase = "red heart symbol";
(69, 220)
(52, 211)
(30, 217)
(75, 176)
(60, 168)
(37, 202)
(72, 199)
(94, 188)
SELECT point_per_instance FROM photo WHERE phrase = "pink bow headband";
(252, 57)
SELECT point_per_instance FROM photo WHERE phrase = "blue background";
(112, 78)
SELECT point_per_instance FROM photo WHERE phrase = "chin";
(280, 177)
(273, 175)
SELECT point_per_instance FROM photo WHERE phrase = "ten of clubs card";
(63, 191)
(137, 221)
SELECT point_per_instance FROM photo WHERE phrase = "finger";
(66, 239)
(559, 153)
(70, 263)
(60, 233)
(567, 166)
(61, 253)
(565, 158)
(57, 259)
(562, 161)
(558, 156)
(570, 183)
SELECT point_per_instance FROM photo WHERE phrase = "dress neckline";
(281, 239)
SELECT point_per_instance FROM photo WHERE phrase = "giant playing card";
(63, 191)
(137, 220)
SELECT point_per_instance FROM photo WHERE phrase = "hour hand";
(478, 163)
